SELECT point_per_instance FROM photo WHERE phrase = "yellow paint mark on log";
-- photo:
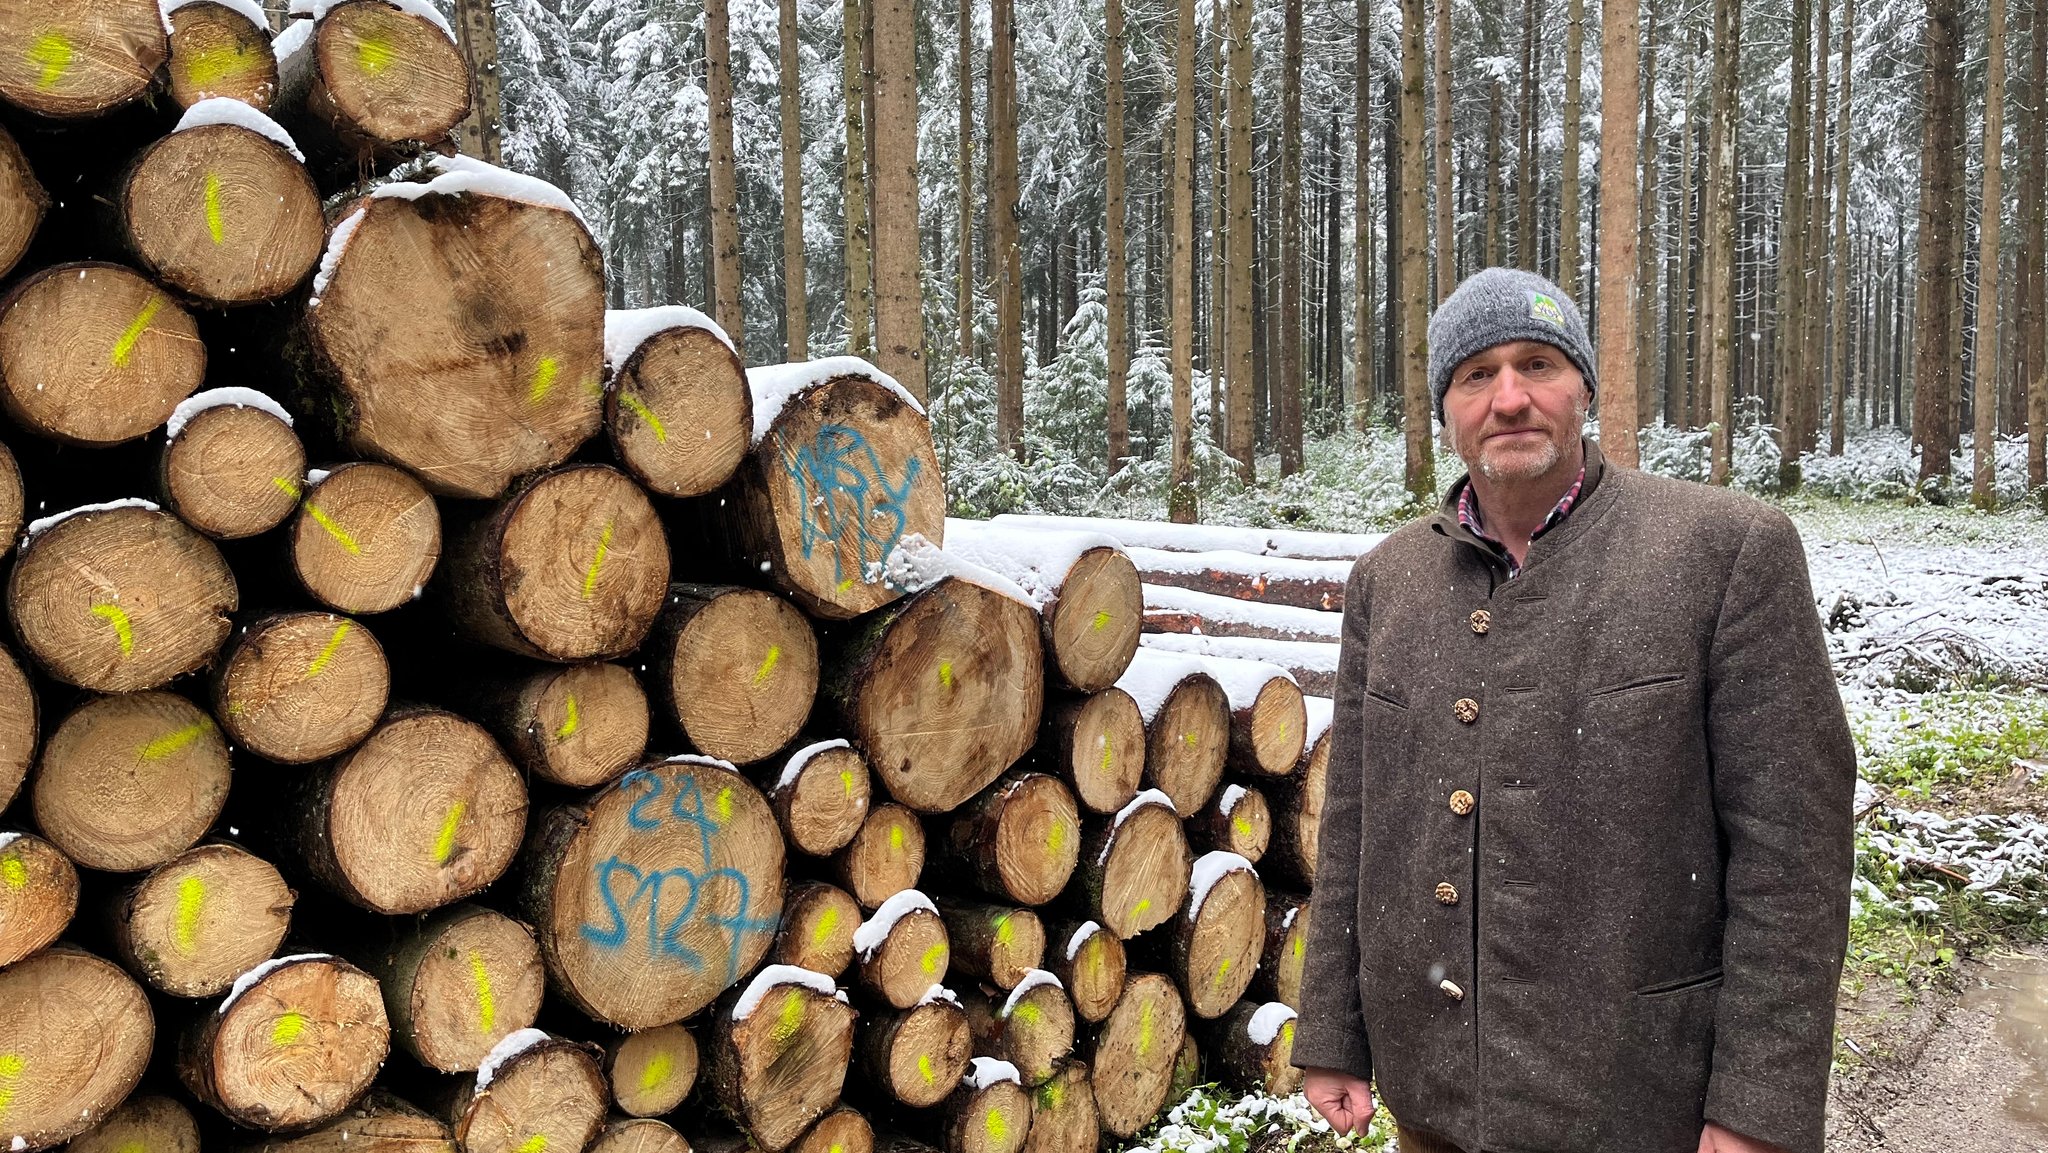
(210, 66)
(1283, 730)
(724, 805)
(639, 408)
(288, 1028)
(1222, 972)
(896, 837)
(1300, 943)
(444, 845)
(790, 1019)
(1140, 908)
(1287, 1035)
(845, 584)
(374, 54)
(826, 923)
(13, 872)
(191, 901)
(1242, 825)
(572, 722)
(846, 781)
(171, 743)
(132, 1147)
(1027, 1013)
(124, 630)
(1101, 620)
(946, 673)
(924, 1066)
(486, 999)
(1006, 933)
(11, 1065)
(215, 226)
(604, 546)
(656, 1072)
(125, 347)
(538, 1143)
(838, 1148)
(1108, 752)
(287, 486)
(319, 664)
(53, 51)
(932, 959)
(348, 543)
(1189, 739)
(995, 1125)
(1056, 838)
(768, 664)
(544, 375)
(1052, 1094)
(1145, 1027)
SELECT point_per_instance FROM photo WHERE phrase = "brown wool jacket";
(1635, 921)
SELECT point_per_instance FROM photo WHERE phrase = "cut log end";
(149, 1123)
(822, 808)
(1089, 961)
(843, 1130)
(1134, 1053)
(678, 412)
(294, 1049)
(916, 1057)
(121, 600)
(365, 539)
(639, 1135)
(201, 919)
(1139, 872)
(18, 727)
(1237, 819)
(739, 669)
(1092, 628)
(1035, 1031)
(1283, 961)
(1297, 808)
(22, 203)
(94, 354)
(1063, 1117)
(79, 58)
(1267, 738)
(995, 944)
(1216, 948)
(1188, 741)
(233, 472)
(127, 782)
(301, 687)
(913, 956)
(818, 923)
(1037, 838)
(884, 858)
(582, 726)
(388, 76)
(78, 1033)
(778, 1068)
(379, 1123)
(223, 213)
(38, 896)
(460, 984)
(995, 1118)
(550, 1095)
(653, 1070)
(1099, 743)
(216, 51)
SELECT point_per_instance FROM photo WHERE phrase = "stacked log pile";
(443, 714)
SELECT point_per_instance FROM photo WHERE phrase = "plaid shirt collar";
(1468, 516)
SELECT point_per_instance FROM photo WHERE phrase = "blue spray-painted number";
(845, 493)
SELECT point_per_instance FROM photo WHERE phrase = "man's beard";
(1521, 464)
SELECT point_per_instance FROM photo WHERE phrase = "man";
(1586, 848)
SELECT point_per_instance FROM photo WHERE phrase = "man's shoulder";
(1411, 543)
(1687, 509)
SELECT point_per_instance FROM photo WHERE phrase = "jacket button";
(1467, 709)
(1481, 621)
(1462, 802)
(1451, 989)
(1446, 893)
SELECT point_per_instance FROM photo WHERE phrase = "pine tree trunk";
(796, 322)
(1717, 276)
(1574, 112)
(1420, 470)
(1983, 493)
(1934, 363)
(1446, 230)
(1364, 354)
(1682, 363)
(859, 302)
(1242, 240)
(725, 204)
(1839, 320)
(1789, 364)
(1619, 104)
(1002, 102)
(1647, 254)
(2036, 216)
(1525, 145)
(963, 289)
(1289, 383)
(1116, 291)
(481, 133)
(899, 263)
(1819, 252)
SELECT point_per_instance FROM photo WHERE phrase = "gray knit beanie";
(1498, 305)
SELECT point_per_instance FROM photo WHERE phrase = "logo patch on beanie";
(1545, 309)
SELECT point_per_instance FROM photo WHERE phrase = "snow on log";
(1312, 663)
(1267, 719)
(1171, 609)
(1133, 871)
(1187, 725)
(677, 408)
(1271, 542)
(1084, 587)
(820, 794)
(1251, 1047)
(220, 48)
(1304, 584)
(1089, 961)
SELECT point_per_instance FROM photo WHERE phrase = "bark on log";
(651, 1071)
(1304, 584)
(1096, 744)
(1283, 959)
(843, 473)
(223, 214)
(1215, 944)
(79, 58)
(915, 1056)
(297, 1043)
(735, 668)
(18, 727)
(1220, 619)
(779, 1055)
(215, 50)
(537, 1093)
(366, 537)
(884, 858)
(1268, 722)
(1018, 840)
(1032, 1027)
(991, 1117)
(656, 894)
(78, 1032)
(465, 332)
(1235, 820)
(818, 923)
(820, 795)
(232, 471)
(580, 726)
(678, 410)
(572, 566)
(1297, 805)
(301, 687)
(370, 82)
(458, 984)
(639, 1135)
(1063, 1117)
(128, 782)
(1251, 1047)
(95, 354)
(121, 599)
(201, 919)
(149, 1123)
(425, 812)
(1187, 1069)
(22, 203)
(902, 951)
(994, 944)
(1131, 1058)
(942, 692)
(379, 1123)
(1134, 867)
(1089, 961)
(1187, 726)
(38, 896)
(1313, 664)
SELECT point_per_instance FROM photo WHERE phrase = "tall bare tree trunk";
(1574, 111)
(1181, 268)
(1983, 492)
(796, 321)
(2036, 193)
(1363, 353)
(1219, 229)
(1242, 239)
(964, 290)
(1288, 409)
(476, 33)
(1647, 247)
(1934, 357)
(1002, 105)
(1414, 268)
(1116, 299)
(1619, 101)
(1446, 235)
(1682, 309)
(1790, 369)
(1525, 147)
(1839, 320)
(725, 193)
(855, 195)
(899, 264)
(1819, 253)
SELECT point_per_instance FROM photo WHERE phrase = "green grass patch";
(1948, 741)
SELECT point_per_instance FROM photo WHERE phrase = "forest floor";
(1938, 629)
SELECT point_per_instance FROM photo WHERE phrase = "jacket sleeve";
(1331, 1032)
(1784, 779)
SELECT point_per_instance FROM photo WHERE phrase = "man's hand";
(1343, 1100)
(1715, 1139)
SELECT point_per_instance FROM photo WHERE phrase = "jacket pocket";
(1383, 697)
(1706, 980)
(1637, 685)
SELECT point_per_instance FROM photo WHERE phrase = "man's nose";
(1510, 391)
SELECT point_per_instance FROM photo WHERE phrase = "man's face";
(1514, 410)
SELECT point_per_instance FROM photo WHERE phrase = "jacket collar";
(1446, 523)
